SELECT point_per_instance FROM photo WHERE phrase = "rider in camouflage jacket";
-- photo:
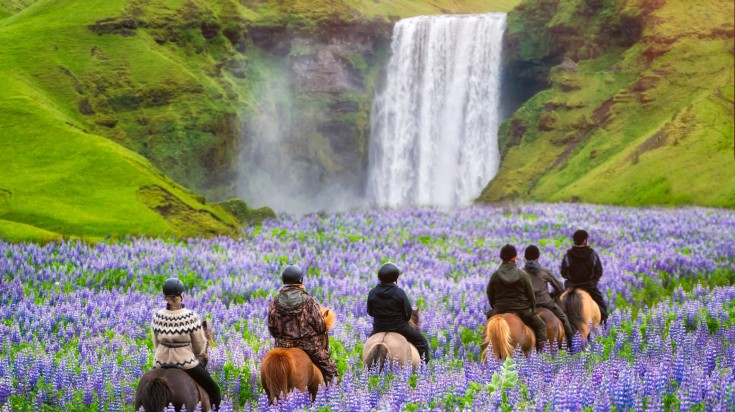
(295, 321)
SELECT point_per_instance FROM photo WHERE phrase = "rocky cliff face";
(308, 86)
(307, 132)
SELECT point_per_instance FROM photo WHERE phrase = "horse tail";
(276, 372)
(156, 394)
(378, 355)
(572, 306)
(499, 335)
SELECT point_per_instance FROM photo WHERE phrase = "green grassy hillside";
(60, 176)
(639, 108)
(60, 180)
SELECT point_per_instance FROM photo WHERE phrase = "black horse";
(161, 386)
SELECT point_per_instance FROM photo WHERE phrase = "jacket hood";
(508, 272)
(291, 296)
(386, 290)
(532, 267)
(580, 252)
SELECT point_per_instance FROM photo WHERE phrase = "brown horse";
(161, 386)
(554, 327)
(393, 347)
(505, 332)
(285, 369)
(581, 311)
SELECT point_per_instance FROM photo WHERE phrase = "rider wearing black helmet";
(391, 310)
(295, 321)
(180, 340)
(582, 268)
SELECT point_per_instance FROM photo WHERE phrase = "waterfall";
(434, 123)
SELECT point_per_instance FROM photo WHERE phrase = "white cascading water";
(434, 124)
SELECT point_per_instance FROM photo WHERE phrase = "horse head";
(207, 332)
(329, 317)
(204, 358)
(415, 321)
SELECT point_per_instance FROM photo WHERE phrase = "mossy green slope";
(59, 178)
(640, 110)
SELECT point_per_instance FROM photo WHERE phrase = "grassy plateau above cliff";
(638, 109)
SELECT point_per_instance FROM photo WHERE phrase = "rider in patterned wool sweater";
(295, 321)
(180, 340)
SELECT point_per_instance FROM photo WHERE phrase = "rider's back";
(178, 337)
(540, 278)
(581, 266)
(293, 314)
(389, 306)
(510, 289)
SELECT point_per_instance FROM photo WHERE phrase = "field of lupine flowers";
(74, 317)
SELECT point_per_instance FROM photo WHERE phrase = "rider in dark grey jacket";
(541, 277)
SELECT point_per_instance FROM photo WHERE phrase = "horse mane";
(329, 317)
(415, 321)
(158, 392)
(572, 306)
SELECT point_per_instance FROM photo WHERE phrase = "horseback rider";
(391, 310)
(510, 291)
(541, 277)
(582, 268)
(180, 340)
(295, 321)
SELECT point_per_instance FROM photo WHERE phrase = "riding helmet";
(292, 274)
(508, 252)
(389, 272)
(173, 287)
(580, 236)
(531, 253)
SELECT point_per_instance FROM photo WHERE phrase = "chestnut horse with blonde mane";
(505, 332)
(286, 369)
(393, 348)
(581, 310)
(161, 386)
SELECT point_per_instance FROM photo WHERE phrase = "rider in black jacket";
(391, 310)
(582, 268)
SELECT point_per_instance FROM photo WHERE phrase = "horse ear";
(204, 324)
(326, 313)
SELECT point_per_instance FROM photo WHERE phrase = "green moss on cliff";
(245, 214)
(58, 179)
(638, 122)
